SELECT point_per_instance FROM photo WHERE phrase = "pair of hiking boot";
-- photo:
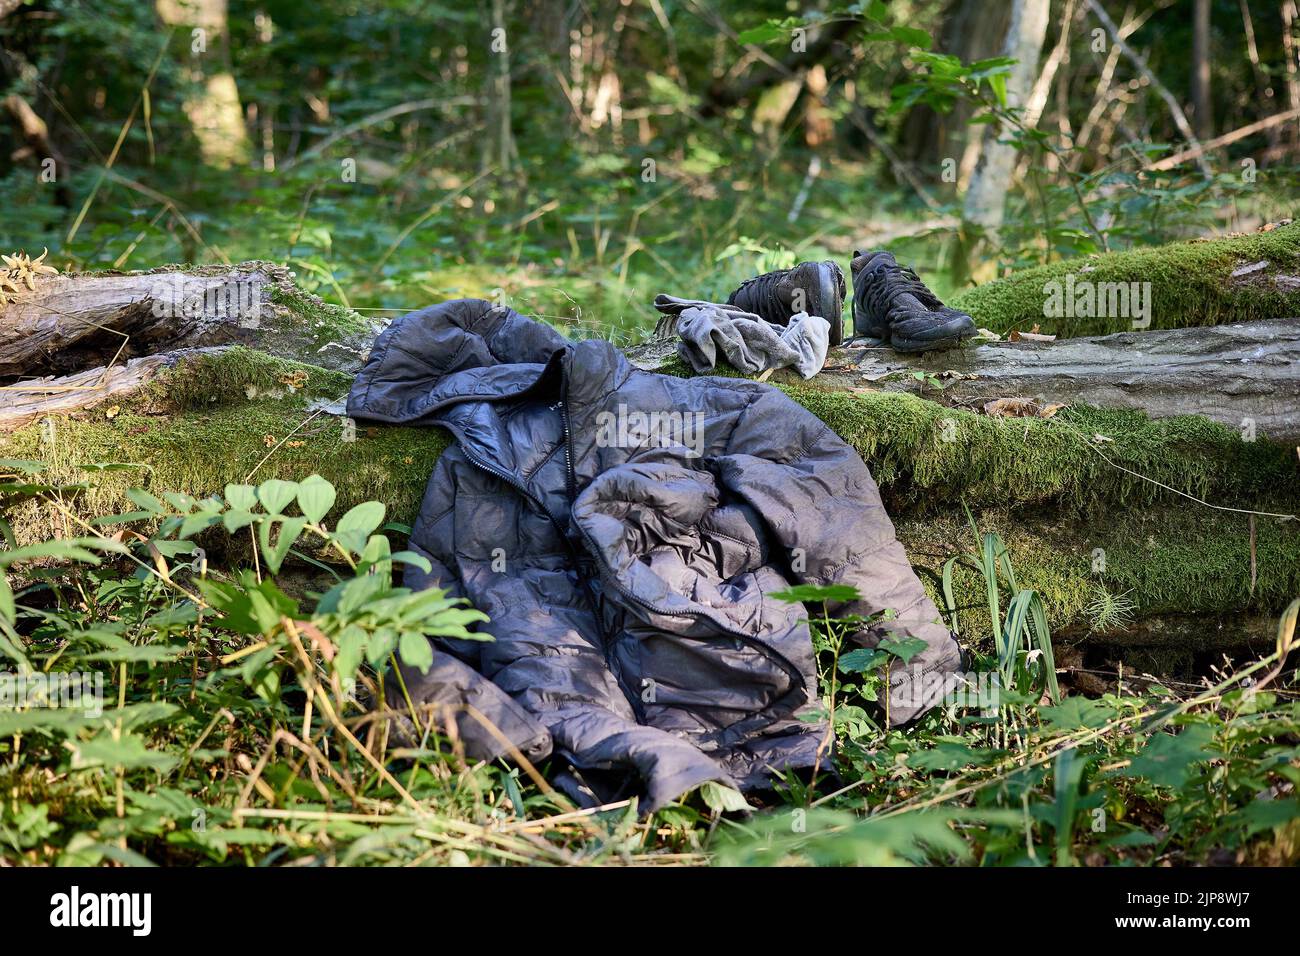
(891, 305)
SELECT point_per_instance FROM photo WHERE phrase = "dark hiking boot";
(892, 304)
(813, 287)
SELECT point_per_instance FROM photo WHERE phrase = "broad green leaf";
(998, 83)
(416, 651)
(20, 466)
(862, 659)
(145, 501)
(351, 650)
(315, 498)
(1167, 759)
(1075, 713)
(128, 752)
(904, 648)
(237, 518)
(72, 549)
(242, 497)
(180, 501)
(274, 554)
(276, 494)
(412, 558)
(833, 593)
(382, 643)
(356, 526)
(723, 799)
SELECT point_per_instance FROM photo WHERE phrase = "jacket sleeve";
(823, 508)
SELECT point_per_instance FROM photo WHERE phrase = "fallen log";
(1241, 278)
(1243, 375)
(1059, 489)
(1246, 376)
(74, 323)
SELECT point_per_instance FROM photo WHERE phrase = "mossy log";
(1244, 278)
(1094, 503)
(74, 323)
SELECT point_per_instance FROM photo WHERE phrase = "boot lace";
(887, 283)
(760, 295)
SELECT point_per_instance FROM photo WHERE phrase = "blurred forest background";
(574, 158)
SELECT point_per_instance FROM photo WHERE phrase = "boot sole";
(946, 336)
(828, 293)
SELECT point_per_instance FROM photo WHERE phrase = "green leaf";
(237, 518)
(861, 660)
(1260, 815)
(18, 465)
(416, 651)
(1075, 713)
(179, 501)
(723, 799)
(761, 34)
(145, 501)
(276, 494)
(196, 522)
(382, 643)
(950, 755)
(8, 609)
(412, 558)
(315, 498)
(1167, 759)
(275, 553)
(800, 593)
(904, 648)
(910, 36)
(351, 649)
(998, 83)
(70, 550)
(128, 752)
(355, 527)
(242, 497)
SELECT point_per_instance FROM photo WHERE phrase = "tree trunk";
(214, 111)
(1202, 111)
(985, 204)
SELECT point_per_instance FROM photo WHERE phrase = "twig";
(1140, 63)
(1169, 162)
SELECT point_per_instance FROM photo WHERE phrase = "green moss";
(927, 456)
(238, 375)
(323, 321)
(1167, 561)
(220, 417)
(1191, 284)
(217, 419)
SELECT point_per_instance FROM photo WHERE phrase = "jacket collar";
(454, 363)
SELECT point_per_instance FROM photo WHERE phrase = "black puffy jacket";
(624, 531)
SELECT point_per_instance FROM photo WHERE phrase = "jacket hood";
(453, 364)
(460, 350)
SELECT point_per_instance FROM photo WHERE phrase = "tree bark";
(214, 111)
(1202, 112)
(73, 323)
(985, 203)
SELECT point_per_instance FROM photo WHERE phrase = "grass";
(206, 750)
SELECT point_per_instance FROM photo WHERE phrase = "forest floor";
(220, 734)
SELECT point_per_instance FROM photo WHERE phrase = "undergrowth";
(223, 713)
